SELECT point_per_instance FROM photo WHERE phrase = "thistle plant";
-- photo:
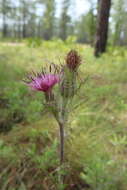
(65, 77)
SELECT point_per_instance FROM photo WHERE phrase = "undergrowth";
(96, 148)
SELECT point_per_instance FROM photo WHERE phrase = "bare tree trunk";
(24, 30)
(24, 24)
(4, 28)
(102, 26)
(39, 29)
(24, 17)
(19, 29)
(4, 32)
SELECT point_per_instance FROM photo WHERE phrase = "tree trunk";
(19, 29)
(4, 11)
(4, 32)
(102, 27)
(24, 28)
(24, 13)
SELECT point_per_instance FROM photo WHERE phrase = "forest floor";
(96, 150)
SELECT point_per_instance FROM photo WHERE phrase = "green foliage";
(7, 152)
(34, 110)
(48, 19)
(119, 16)
(86, 27)
(15, 101)
(119, 142)
(34, 42)
(64, 20)
(46, 159)
(16, 106)
(98, 174)
(96, 148)
(71, 40)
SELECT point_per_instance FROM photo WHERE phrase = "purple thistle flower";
(44, 82)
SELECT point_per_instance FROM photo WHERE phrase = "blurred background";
(34, 33)
(48, 19)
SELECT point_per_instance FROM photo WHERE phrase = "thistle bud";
(73, 60)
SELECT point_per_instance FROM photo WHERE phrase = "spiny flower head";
(45, 80)
(73, 60)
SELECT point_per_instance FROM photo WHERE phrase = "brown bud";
(73, 60)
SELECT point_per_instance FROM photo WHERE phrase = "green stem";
(61, 143)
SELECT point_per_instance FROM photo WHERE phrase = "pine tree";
(102, 26)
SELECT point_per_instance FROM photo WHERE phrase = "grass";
(96, 148)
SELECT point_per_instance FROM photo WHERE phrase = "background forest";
(49, 19)
(33, 35)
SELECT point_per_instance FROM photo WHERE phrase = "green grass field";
(96, 149)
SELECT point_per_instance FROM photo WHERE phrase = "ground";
(96, 146)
